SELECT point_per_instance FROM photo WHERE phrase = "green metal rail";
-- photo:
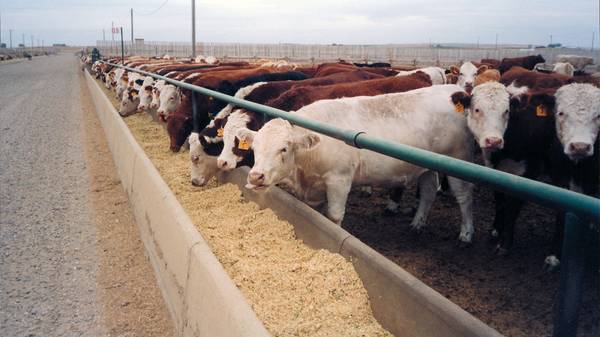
(582, 205)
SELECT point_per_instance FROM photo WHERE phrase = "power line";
(154, 11)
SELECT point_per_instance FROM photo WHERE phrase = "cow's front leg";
(428, 185)
(463, 192)
(338, 188)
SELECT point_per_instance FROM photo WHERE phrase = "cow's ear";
(307, 141)
(245, 135)
(481, 69)
(455, 70)
(461, 101)
(543, 99)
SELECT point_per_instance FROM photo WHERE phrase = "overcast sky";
(570, 22)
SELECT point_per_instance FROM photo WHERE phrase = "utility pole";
(132, 26)
(478, 42)
(103, 36)
(0, 28)
(112, 30)
(496, 40)
(31, 42)
(550, 39)
(193, 28)
(10, 37)
(122, 48)
(593, 37)
(23, 38)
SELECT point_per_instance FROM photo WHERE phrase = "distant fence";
(306, 53)
(32, 51)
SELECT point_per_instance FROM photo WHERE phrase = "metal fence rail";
(395, 54)
(581, 208)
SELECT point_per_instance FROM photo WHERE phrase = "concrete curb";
(400, 302)
(201, 297)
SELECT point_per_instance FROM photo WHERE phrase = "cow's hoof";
(417, 227)
(501, 251)
(365, 191)
(394, 209)
(551, 263)
(464, 239)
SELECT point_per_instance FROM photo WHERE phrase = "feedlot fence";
(311, 53)
(580, 209)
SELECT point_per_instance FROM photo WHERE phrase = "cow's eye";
(477, 110)
(284, 150)
(560, 113)
(505, 112)
(460, 74)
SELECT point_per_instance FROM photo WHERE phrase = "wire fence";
(313, 53)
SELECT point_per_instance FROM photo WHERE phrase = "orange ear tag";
(243, 145)
(540, 111)
(220, 132)
(458, 107)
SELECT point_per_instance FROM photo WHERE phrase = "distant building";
(2, 45)
(59, 45)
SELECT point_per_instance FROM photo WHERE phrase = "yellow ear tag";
(220, 132)
(458, 107)
(243, 145)
(540, 111)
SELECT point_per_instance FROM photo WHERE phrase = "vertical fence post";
(572, 267)
(122, 48)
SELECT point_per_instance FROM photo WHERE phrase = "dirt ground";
(130, 297)
(512, 294)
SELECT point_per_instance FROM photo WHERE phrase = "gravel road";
(66, 232)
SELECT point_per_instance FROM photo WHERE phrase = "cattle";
(564, 68)
(298, 97)
(146, 93)
(374, 65)
(520, 77)
(179, 123)
(490, 75)
(545, 132)
(578, 62)
(319, 168)
(492, 63)
(436, 74)
(466, 74)
(527, 62)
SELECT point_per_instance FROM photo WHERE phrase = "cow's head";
(145, 97)
(487, 110)
(129, 102)
(234, 150)
(179, 128)
(466, 74)
(203, 158)
(275, 147)
(169, 100)
(577, 115)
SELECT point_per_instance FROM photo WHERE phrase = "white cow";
(436, 74)
(564, 68)
(467, 74)
(318, 166)
(579, 62)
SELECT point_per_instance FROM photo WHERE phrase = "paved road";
(49, 259)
